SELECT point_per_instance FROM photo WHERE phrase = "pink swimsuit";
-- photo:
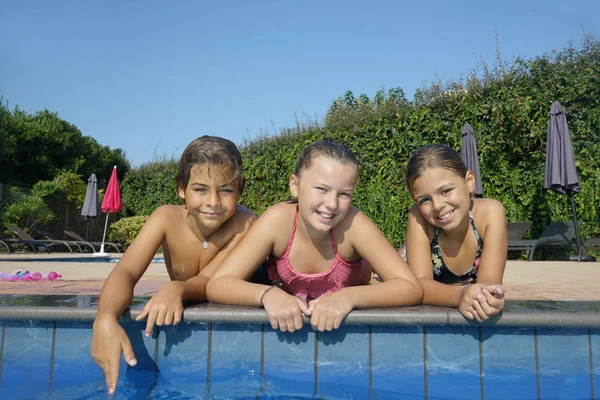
(311, 286)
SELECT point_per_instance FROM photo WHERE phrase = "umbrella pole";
(577, 238)
(104, 235)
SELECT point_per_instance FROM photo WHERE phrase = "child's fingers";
(128, 352)
(338, 321)
(480, 315)
(150, 322)
(330, 322)
(497, 303)
(111, 373)
(298, 321)
(144, 313)
(306, 310)
(177, 317)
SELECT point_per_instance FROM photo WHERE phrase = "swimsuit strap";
(291, 241)
(479, 241)
(289, 245)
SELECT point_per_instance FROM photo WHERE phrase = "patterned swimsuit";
(441, 273)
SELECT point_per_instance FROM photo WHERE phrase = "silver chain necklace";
(200, 238)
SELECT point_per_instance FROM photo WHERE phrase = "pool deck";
(524, 280)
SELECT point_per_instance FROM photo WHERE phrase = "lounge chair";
(3, 243)
(118, 246)
(556, 234)
(48, 244)
(516, 230)
(34, 245)
(74, 243)
(587, 244)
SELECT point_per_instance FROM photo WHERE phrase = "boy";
(195, 240)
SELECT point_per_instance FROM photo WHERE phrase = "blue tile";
(27, 353)
(509, 363)
(289, 362)
(75, 373)
(564, 363)
(235, 360)
(343, 362)
(398, 368)
(453, 362)
(595, 338)
(183, 356)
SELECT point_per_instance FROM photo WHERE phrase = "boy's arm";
(109, 339)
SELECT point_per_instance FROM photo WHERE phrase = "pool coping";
(569, 316)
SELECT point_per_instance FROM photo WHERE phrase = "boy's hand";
(284, 310)
(328, 312)
(108, 342)
(480, 302)
(164, 308)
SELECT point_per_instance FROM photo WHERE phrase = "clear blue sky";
(149, 76)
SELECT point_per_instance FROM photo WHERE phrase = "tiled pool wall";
(222, 352)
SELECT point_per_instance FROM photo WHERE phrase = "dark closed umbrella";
(468, 153)
(91, 207)
(560, 173)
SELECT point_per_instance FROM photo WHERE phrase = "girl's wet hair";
(433, 156)
(211, 151)
(325, 148)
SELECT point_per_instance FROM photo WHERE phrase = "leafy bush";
(126, 229)
(149, 186)
(25, 210)
(507, 105)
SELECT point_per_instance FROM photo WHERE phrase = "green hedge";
(508, 109)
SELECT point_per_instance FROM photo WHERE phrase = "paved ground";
(538, 280)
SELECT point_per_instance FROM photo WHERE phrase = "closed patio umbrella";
(560, 173)
(110, 204)
(468, 153)
(91, 207)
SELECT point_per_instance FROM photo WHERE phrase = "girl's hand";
(480, 302)
(164, 308)
(284, 310)
(328, 312)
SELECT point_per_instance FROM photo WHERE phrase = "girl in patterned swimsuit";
(446, 232)
(319, 248)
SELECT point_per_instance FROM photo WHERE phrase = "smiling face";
(324, 192)
(211, 197)
(443, 197)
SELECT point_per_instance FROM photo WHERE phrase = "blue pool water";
(249, 360)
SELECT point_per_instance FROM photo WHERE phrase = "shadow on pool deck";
(538, 280)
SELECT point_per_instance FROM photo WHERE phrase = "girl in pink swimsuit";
(320, 249)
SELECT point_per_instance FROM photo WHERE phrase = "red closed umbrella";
(111, 204)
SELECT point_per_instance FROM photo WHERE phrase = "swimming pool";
(536, 350)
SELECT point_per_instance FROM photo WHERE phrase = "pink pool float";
(26, 276)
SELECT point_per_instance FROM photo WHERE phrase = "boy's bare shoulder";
(242, 218)
(168, 211)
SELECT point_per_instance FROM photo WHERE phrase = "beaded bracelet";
(262, 296)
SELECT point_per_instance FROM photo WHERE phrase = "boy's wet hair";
(211, 151)
(433, 156)
(325, 148)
